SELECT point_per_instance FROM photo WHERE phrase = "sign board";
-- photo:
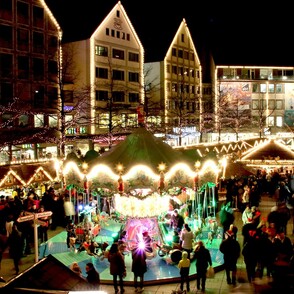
(43, 214)
(41, 223)
(25, 218)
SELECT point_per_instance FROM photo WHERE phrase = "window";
(38, 17)
(117, 13)
(101, 73)
(255, 88)
(39, 97)
(22, 12)
(279, 88)
(183, 37)
(52, 96)
(5, 36)
(262, 88)
(52, 45)
(39, 120)
(186, 55)
(133, 97)
(22, 39)
(52, 71)
(103, 120)
(133, 77)
(255, 104)
(118, 96)
(180, 54)
(23, 67)
(128, 37)
(168, 68)
(6, 93)
(133, 57)
(112, 33)
(271, 104)
(271, 121)
(271, 88)
(38, 69)
(38, 42)
(101, 95)
(118, 34)
(107, 31)
(68, 96)
(174, 52)
(118, 75)
(52, 121)
(279, 105)
(23, 120)
(5, 65)
(101, 50)
(279, 121)
(119, 54)
(174, 69)
(6, 10)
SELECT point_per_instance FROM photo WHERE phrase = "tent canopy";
(142, 147)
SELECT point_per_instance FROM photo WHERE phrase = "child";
(184, 266)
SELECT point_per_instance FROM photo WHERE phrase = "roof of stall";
(142, 147)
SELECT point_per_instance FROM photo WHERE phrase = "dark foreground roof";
(46, 276)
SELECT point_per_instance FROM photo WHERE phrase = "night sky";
(248, 31)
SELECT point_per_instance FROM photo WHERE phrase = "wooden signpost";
(35, 217)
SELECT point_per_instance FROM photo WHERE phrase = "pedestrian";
(117, 267)
(147, 241)
(16, 245)
(250, 252)
(139, 267)
(43, 227)
(76, 268)
(93, 276)
(177, 221)
(187, 238)
(184, 266)
(203, 260)
(231, 250)
(70, 230)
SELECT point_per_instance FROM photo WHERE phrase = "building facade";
(29, 65)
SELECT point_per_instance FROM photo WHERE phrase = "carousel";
(139, 184)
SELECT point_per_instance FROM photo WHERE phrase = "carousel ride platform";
(160, 269)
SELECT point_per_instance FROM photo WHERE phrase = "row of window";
(118, 75)
(116, 53)
(270, 104)
(183, 71)
(38, 94)
(27, 39)
(182, 88)
(123, 120)
(117, 96)
(256, 73)
(23, 13)
(184, 54)
(267, 88)
(27, 66)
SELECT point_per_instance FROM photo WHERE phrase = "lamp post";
(196, 203)
(161, 185)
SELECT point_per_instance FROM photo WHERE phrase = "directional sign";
(43, 214)
(25, 218)
(41, 223)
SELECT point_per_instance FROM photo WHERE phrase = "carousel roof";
(142, 147)
(271, 150)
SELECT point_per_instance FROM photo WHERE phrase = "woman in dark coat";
(117, 267)
(203, 260)
(16, 245)
(139, 268)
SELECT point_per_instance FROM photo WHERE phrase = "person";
(147, 241)
(117, 267)
(70, 229)
(250, 254)
(43, 227)
(187, 238)
(177, 221)
(76, 268)
(93, 276)
(231, 250)
(184, 266)
(16, 245)
(176, 240)
(203, 260)
(139, 267)
(247, 215)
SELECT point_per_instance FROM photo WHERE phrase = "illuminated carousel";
(138, 184)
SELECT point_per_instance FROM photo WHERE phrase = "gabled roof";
(49, 275)
(270, 150)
